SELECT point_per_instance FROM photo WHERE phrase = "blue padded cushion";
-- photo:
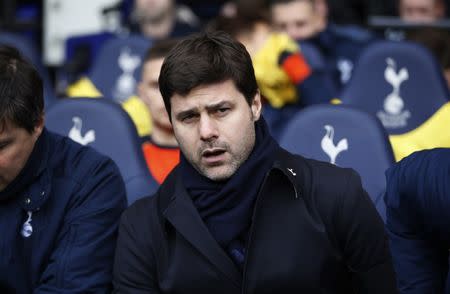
(423, 93)
(115, 136)
(369, 151)
(106, 71)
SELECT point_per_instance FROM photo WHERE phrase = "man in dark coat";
(60, 202)
(418, 221)
(239, 214)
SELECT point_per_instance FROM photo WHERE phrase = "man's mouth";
(213, 155)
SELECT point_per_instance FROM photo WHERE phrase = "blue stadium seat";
(105, 126)
(89, 45)
(28, 50)
(117, 69)
(346, 137)
(320, 68)
(402, 84)
(312, 55)
(115, 75)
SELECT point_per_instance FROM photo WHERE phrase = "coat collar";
(34, 197)
(293, 171)
(183, 215)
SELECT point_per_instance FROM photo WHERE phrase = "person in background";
(307, 21)
(438, 42)
(161, 19)
(60, 202)
(161, 148)
(286, 79)
(351, 12)
(240, 214)
(421, 11)
(418, 221)
(300, 19)
(204, 9)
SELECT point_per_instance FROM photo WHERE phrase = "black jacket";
(314, 230)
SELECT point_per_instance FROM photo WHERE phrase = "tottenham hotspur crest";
(394, 115)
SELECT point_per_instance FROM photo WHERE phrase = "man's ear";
(256, 106)
(39, 126)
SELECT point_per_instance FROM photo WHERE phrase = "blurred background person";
(159, 19)
(286, 80)
(421, 11)
(160, 148)
(204, 9)
(345, 12)
(438, 42)
(300, 19)
(307, 21)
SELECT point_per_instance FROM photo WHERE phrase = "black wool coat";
(314, 230)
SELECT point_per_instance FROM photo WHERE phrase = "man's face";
(424, 11)
(149, 93)
(16, 145)
(214, 127)
(298, 19)
(152, 10)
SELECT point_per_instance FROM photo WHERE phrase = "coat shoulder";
(139, 212)
(322, 185)
(147, 211)
(73, 161)
(319, 176)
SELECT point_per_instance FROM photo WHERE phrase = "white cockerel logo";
(75, 132)
(126, 83)
(393, 104)
(328, 146)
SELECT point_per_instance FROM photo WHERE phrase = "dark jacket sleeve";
(421, 263)
(134, 264)
(363, 241)
(417, 206)
(82, 259)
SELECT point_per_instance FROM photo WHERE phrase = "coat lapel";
(183, 215)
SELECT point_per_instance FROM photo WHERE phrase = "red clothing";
(160, 160)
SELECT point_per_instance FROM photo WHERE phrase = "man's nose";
(207, 128)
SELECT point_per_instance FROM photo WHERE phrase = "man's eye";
(188, 118)
(223, 110)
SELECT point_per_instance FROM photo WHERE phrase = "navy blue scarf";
(227, 207)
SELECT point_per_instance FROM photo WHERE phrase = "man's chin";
(217, 174)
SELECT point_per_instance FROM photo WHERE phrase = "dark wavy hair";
(21, 90)
(204, 59)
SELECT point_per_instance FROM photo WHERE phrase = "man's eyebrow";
(217, 105)
(194, 110)
(185, 113)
